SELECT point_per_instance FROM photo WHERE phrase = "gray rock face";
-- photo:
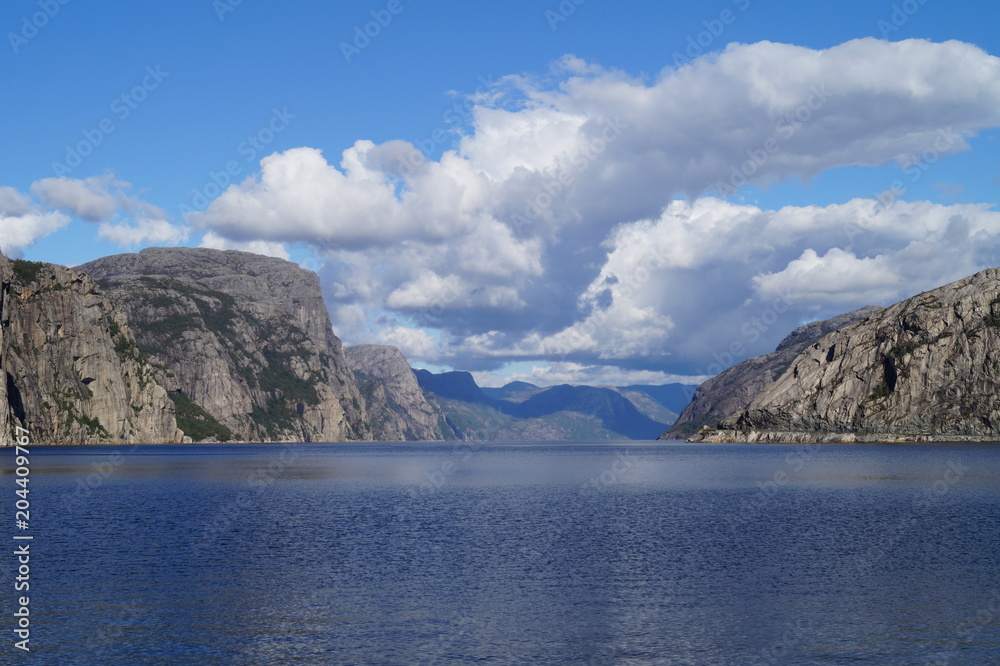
(925, 369)
(733, 389)
(398, 410)
(245, 337)
(73, 372)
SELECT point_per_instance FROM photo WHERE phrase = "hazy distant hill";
(456, 385)
(524, 411)
(610, 408)
(514, 391)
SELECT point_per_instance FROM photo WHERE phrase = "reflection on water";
(459, 553)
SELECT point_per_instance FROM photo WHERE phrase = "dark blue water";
(540, 554)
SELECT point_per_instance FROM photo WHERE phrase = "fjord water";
(435, 553)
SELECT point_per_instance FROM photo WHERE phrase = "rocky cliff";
(72, 371)
(397, 407)
(733, 389)
(244, 343)
(925, 369)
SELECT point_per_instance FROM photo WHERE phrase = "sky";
(572, 191)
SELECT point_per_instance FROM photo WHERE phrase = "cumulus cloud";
(91, 199)
(217, 242)
(142, 231)
(550, 229)
(23, 221)
(124, 218)
(577, 374)
(18, 232)
(13, 203)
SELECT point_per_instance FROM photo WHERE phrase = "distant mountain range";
(520, 410)
(184, 344)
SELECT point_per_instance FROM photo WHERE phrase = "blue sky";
(165, 97)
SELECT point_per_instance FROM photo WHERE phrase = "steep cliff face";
(244, 337)
(397, 407)
(733, 389)
(925, 369)
(73, 373)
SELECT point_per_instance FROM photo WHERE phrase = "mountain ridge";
(923, 369)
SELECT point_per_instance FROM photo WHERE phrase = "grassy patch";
(27, 272)
(277, 377)
(276, 419)
(195, 421)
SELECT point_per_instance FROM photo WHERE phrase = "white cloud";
(90, 199)
(838, 276)
(141, 232)
(13, 203)
(525, 238)
(414, 343)
(18, 232)
(123, 218)
(217, 242)
(580, 374)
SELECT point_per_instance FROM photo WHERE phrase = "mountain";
(925, 369)
(72, 373)
(514, 391)
(243, 342)
(734, 388)
(647, 405)
(455, 385)
(674, 397)
(398, 409)
(611, 409)
(521, 411)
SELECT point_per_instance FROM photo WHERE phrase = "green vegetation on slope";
(195, 421)
(27, 272)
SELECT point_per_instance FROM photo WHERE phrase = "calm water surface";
(503, 554)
